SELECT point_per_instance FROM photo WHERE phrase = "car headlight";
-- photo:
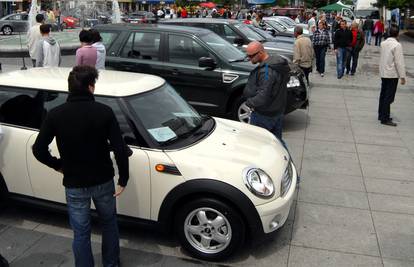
(258, 182)
(293, 82)
(286, 180)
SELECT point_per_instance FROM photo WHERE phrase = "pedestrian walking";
(379, 31)
(342, 47)
(358, 41)
(266, 89)
(48, 49)
(312, 25)
(86, 131)
(86, 54)
(303, 52)
(367, 27)
(100, 49)
(320, 43)
(392, 69)
(33, 36)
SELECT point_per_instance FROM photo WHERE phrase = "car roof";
(161, 27)
(203, 20)
(109, 83)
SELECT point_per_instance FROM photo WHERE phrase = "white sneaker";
(322, 74)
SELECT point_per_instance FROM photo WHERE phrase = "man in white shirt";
(312, 25)
(33, 36)
(392, 69)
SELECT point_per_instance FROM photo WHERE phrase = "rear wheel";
(4, 193)
(64, 26)
(7, 30)
(209, 229)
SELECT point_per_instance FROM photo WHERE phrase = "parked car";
(206, 70)
(291, 23)
(277, 27)
(141, 17)
(14, 23)
(177, 180)
(70, 22)
(269, 37)
(235, 32)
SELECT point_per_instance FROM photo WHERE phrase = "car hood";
(279, 46)
(228, 150)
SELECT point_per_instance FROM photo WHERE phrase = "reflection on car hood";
(229, 149)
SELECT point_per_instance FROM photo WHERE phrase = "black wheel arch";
(234, 93)
(199, 188)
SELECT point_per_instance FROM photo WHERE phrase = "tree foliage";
(391, 4)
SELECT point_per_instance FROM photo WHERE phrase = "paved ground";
(355, 205)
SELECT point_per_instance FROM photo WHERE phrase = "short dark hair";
(45, 28)
(85, 36)
(96, 36)
(39, 18)
(298, 30)
(313, 14)
(394, 31)
(81, 77)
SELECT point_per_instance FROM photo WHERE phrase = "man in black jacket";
(266, 89)
(342, 47)
(85, 132)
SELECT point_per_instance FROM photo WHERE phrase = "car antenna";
(21, 50)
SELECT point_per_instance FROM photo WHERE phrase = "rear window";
(108, 38)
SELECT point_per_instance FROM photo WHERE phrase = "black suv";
(205, 69)
(237, 33)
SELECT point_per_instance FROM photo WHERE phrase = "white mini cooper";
(214, 182)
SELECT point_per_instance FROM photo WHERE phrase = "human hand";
(119, 190)
(402, 81)
(336, 51)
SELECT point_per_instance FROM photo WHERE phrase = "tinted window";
(108, 38)
(184, 50)
(142, 45)
(126, 130)
(217, 28)
(22, 107)
(229, 33)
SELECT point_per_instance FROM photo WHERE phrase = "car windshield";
(276, 25)
(263, 33)
(251, 35)
(222, 47)
(165, 115)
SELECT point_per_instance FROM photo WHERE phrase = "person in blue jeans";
(266, 89)
(320, 44)
(342, 47)
(84, 144)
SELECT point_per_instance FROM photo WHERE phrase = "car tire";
(64, 26)
(209, 229)
(7, 30)
(240, 111)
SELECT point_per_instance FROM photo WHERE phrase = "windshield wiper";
(238, 60)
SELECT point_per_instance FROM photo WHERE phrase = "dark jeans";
(306, 71)
(272, 124)
(79, 209)
(34, 62)
(378, 38)
(353, 56)
(388, 90)
(320, 53)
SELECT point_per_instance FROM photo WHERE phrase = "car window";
(142, 45)
(108, 38)
(229, 33)
(251, 35)
(126, 130)
(22, 107)
(217, 28)
(184, 50)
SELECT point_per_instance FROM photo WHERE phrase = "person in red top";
(358, 41)
(184, 13)
(379, 31)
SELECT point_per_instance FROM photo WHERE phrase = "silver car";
(14, 23)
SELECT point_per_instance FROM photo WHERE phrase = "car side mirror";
(207, 62)
(238, 41)
(271, 30)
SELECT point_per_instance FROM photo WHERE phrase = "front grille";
(286, 180)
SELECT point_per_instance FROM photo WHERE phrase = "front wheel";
(240, 111)
(7, 30)
(209, 229)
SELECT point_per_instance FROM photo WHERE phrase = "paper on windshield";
(162, 134)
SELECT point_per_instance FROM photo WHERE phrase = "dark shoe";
(347, 72)
(340, 77)
(352, 74)
(389, 123)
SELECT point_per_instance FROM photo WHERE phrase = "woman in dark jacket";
(320, 43)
